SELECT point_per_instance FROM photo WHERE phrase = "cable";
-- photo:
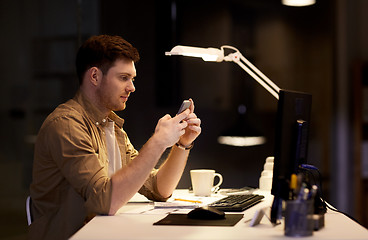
(336, 210)
(309, 168)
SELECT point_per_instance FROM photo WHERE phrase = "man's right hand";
(169, 130)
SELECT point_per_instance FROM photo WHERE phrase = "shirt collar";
(96, 115)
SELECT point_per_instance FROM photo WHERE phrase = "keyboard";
(237, 203)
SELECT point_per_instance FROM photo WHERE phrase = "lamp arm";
(264, 77)
(264, 81)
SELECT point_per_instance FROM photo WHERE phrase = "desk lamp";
(217, 55)
(292, 120)
(245, 136)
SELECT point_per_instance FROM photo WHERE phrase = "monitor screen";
(291, 143)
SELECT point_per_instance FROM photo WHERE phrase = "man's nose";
(131, 87)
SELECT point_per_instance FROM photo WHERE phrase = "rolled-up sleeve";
(150, 190)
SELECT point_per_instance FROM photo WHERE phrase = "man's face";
(116, 85)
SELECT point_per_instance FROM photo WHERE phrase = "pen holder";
(299, 218)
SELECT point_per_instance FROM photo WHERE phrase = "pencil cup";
(202, 181)
(299, 218)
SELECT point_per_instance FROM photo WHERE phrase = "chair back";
(28, 210)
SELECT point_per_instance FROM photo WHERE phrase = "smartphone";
(185, 105)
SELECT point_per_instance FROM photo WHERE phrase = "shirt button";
(97, 123)
(104, 120)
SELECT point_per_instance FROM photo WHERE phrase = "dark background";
(311, 49)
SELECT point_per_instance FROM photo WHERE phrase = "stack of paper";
(178, 203)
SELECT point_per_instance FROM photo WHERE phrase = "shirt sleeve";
(71, 145)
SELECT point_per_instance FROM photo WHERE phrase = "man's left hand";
(193, 129)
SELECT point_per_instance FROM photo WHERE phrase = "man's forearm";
(171, 171)
(128, 180)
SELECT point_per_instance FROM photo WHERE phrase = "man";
(84, 163)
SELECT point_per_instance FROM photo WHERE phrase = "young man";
(84, 163)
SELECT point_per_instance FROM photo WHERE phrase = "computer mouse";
(206, 213)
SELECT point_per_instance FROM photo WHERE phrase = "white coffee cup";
(202, 181)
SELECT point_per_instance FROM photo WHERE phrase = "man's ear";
(94, 75)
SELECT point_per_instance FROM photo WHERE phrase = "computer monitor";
(291, 143)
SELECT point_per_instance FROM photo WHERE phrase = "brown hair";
(102, 51)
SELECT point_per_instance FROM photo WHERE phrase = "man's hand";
(169, 130)
(193, 129)
(183, 128)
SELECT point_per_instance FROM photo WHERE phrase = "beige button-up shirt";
(70, 170)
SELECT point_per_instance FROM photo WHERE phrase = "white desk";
(128, 225)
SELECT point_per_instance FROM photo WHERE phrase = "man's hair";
(102, 51)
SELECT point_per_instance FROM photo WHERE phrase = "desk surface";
(129, 224)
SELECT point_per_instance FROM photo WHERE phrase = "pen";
(299, 183)
(187, 200)
(313, 192)
(306, 194)
(293, 185)
(301, 192)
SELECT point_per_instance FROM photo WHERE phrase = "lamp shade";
(207, 54)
